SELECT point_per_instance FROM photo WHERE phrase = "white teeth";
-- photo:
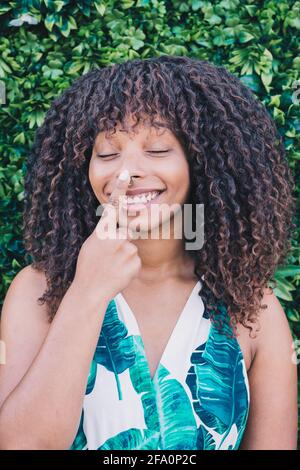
(142, 198)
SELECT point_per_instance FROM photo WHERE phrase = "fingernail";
(124, 175)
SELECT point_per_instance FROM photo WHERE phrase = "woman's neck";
(162, 259)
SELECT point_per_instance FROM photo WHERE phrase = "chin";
(143, 226)
(153, 230)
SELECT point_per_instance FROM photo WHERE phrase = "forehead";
(140, 132)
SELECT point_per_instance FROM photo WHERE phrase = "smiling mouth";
(140, 202)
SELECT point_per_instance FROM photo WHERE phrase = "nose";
(131, 182)
(131, 160)
(133, 176)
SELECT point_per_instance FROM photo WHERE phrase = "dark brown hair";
(237, 162)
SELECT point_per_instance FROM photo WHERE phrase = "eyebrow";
(148, 137)
(114, 135)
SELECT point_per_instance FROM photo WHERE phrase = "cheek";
(179, 181)
(97, 180)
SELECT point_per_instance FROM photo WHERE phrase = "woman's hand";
(108, 261)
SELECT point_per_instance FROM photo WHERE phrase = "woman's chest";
(198, 381)
(157, 314)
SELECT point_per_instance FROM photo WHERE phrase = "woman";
(138, 342)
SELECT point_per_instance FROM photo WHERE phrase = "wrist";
(91, 299)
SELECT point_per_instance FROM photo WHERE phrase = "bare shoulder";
(29, 274)
(273, 381)
(273, 327)
(26, 287)
(20, 303)
(23, 327)
(270, 328)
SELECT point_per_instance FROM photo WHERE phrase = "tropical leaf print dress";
(198, 398)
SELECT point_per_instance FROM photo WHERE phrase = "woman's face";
(156, 160)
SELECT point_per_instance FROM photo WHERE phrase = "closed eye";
(108, 155)
(158, 151)
(113, 154)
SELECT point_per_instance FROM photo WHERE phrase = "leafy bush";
(46, 44)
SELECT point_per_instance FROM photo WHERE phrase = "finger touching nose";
(111, 209)
(120, 188)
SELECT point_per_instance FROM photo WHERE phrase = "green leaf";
(266, 78)
(136, 43)
(251, 9)
(282, 282)
(196, 5)
(136, 439)
(50, 21)
(58, 5)
(72, 22)
(178, 413)
(65, 29)
(294, 22)
(214, 20)
(21, 196)
(244, 36)
(80, 440)
(286, 271)
(275, 101)
(115, 349)
(74, 67)
(293, 315)
(5, 68)
(282, 291)
(217, 383)
(100, 8)
(15, 264)
(4, 9)
(32, 121)
(19, 138)
(91, 378)
(252, 81)
(204, 439)
(39, 118)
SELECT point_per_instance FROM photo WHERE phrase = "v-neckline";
(173, 333)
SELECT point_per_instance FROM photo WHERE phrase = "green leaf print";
(80, 440)
(91, 378)
(205, 439)
(135, 438)
(168, 412)
(216, 380)
(132, 439)
(115, 349)
(166, 405)
(141, 381)
(178, 428)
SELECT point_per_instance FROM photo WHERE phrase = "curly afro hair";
(238, 170)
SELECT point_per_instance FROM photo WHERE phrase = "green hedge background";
(45, 45)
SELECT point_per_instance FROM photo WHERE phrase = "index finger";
(111, 208)
(119, 189)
